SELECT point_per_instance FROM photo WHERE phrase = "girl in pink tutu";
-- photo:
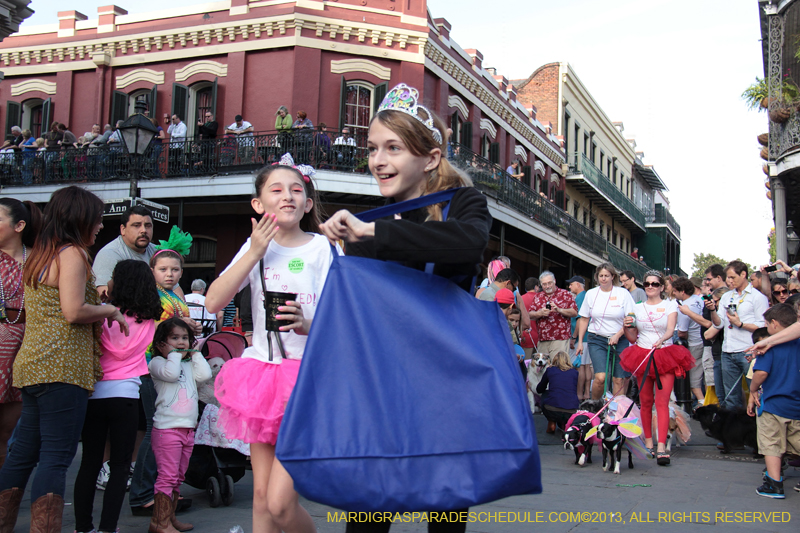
(652, 327)
(280, 256)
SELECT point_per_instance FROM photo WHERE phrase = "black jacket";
(456, 245)
(209, 130)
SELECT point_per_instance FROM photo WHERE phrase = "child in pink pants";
(175, 372)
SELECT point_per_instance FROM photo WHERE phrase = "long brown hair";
(420, 142)
(69, 218)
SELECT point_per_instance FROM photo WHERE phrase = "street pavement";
(702, 490)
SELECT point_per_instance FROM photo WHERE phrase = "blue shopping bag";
(409, 396)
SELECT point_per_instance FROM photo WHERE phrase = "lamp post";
(792, 242)
(137, 132)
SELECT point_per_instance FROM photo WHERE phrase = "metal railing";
(580, 164)
(663, 216)
(225, 155)
(623, 261)
(496, 183)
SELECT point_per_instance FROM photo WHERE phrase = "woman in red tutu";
(651, 331)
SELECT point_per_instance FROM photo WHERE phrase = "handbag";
(408, 397)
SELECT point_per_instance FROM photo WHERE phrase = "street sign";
(118, 206)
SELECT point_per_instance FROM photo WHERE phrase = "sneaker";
(102, 477)
(771, 489)
(797, 487)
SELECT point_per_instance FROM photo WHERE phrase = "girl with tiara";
(281, 255)
(405, 147)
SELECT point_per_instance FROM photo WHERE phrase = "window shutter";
(466, 135)
(494, 153)
(152, 104)
(379, 95)
(119, 108)
(47, 114)
(342, 103)
(526, 175)
(13, 114)
(214, 98)
(560, 199)
(180, 100)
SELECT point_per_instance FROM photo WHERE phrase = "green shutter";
(13, 114)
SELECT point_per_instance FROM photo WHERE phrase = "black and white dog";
(613, 441)
(575, 437)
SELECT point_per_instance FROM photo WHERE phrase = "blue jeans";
(719, 382)
(598, 351)
(145, 471)
(734, 365)
(46, 438)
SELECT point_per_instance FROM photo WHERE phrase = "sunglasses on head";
(655, 284)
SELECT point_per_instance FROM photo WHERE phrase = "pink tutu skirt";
(672, 359)
(252, 397)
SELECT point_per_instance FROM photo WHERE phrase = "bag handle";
(266, 309)
(408, 205)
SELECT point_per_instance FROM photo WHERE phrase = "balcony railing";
(580, 164)
(623, 261)
(663, 216)
(225, 155)
(496, 183)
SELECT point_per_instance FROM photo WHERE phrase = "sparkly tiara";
(404, 98)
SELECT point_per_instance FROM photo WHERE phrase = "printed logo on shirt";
(613, 298)
(660, 310)
(296, 265)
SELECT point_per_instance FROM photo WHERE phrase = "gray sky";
(671, 70)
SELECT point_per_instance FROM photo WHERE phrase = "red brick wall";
(541, 91)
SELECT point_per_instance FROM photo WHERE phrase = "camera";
(732, 308)
(771, 268)
(707, 297)
(548, 306)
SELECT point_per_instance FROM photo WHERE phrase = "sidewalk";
(699, 484)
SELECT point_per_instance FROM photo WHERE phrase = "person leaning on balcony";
(514, 170)
(635, 253)
(53, 137)
(69, 140)
(344, 145)
(15, 140)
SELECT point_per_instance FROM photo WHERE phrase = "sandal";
(651, 453)
(662, 459)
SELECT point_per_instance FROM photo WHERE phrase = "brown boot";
(9, 508)
(551, 427)
(162, 515)
(46, 513)
(180, 526)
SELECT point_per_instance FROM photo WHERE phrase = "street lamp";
(792, 241)
(137, 132)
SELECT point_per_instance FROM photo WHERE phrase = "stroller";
(216, 462)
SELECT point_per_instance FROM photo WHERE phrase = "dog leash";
(647, 357)
(738, 383)
(634, 485)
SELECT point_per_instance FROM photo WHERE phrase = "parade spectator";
(552, 310)
(322, 144)
(158, 147)
(635, 253)
(115, 139)
(136, 232)
(68, 138)
(628, 280)
(243, 131)
(53, 137)
(177, 138)
(496, 265)
(779, 291)
(577, 286)
(530, 336)
(207, 129)
(28, 147)
(776, 288)
(345, 147)
(90, 136)
(514, 170)
(198, 311)
(20, 223)
(756, 280)
(505, 279)
(602, 314)
(715, 276)
(303, 122)
(283, 125)
(57, 366)
(15, 140)
(777, 373)
(743, 313)
(303, 129)
(557, 389)
(101, 140)
(689, 321)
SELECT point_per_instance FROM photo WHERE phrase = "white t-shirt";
(300, 270)
(200, 313)
(651, 321)
(606, 310)
(685, 323)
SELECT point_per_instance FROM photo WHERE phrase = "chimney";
(67, 21)
(239, 7)
(502, 82)
(477, 58)
(444, 27)
(107, 18)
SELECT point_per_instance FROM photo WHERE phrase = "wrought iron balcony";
(225, 155)
(663, 216)
(599, 188)
(496, 183)
(623, 261)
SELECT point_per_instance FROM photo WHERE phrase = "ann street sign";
(118, 206)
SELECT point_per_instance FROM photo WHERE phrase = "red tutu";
(672, 359)
(252, 397)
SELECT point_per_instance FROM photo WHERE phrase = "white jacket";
(176, 384)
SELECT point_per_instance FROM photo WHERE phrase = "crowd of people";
(103, 351)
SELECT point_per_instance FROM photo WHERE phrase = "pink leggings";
(172, 449)
(662, 405)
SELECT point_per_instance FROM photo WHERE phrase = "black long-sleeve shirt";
(455, 245)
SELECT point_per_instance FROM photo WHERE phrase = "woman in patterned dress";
(59, 362)
(20, 223)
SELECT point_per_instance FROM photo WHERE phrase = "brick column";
(107, 18)
(67, 21)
